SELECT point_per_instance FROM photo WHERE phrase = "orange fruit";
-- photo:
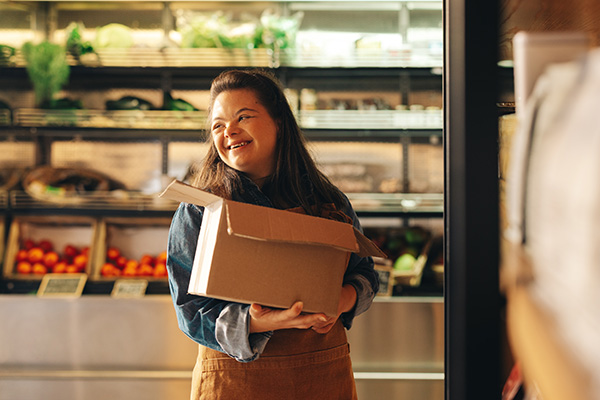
(160, 271)
(50, 259)
(23, 267)
(60, 267)
(112, 253)
(147, 259)
(145, 270)
(35, 254)
(39, 268)
(22, 255)
(162, 257)
(80, 261)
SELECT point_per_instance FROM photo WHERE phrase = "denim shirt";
(224, 325)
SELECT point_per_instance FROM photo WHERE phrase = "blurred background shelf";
(235, 57)
(196, 120)
(119, 201)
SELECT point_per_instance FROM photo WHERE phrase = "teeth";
(235, 146)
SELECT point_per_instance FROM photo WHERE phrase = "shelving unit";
(401, 74)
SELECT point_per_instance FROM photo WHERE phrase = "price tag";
(386, 284)
(129, 288)
(62, 285)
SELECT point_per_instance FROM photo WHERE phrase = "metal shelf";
(126, 201)
(196, 120)
(262, 57)
(5, 117)
(117, 200)
(3, 200)
(397, 203)
(361, 58)
(125, 119)
(371, 119)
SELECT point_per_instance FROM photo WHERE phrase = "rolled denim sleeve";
(217, 324)
(361, 275)
(236, 341)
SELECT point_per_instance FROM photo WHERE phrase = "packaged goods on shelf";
(131, 248)
(38, 245)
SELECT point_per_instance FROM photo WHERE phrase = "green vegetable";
(416, 236)
(75, 44)
(177, 104)
(279, 32)
(128, 103)
(66, 103)
(206, 31)
(405, 262)
(114, 36)
(6, 53)
(48, 70)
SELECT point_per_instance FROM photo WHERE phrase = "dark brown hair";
(288, 186)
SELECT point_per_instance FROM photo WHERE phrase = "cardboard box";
(252, 254)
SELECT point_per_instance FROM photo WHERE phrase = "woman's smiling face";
(244, 133)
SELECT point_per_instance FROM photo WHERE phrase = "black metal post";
(471, 292)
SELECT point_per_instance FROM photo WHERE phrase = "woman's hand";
(263, 319)
(347, 302)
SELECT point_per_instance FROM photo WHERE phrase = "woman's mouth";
(237, 145)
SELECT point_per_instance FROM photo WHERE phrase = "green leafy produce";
(114, 36)
(66, 103)
(128, 103)
(6, 53)
(405, 262)
(5, 113)
(205, 31)
(177, 104)
(75, 44)
(416, 236)
(277, 31)
(48, 70)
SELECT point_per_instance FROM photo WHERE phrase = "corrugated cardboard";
(252, 254)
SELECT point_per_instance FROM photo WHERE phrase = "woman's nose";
(231, 129)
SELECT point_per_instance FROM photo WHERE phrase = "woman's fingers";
(266, 318)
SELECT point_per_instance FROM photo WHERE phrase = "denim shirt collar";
(251, 193)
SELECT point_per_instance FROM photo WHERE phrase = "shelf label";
(386, 284)
(62, 285)
(129, 288)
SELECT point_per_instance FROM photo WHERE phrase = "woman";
(258, 155)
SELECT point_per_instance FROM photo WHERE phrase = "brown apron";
(296, 364)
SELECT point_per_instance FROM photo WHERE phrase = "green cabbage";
(113, 36)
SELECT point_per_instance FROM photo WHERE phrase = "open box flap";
(367, 247)
(264, 223)
(182, 192)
